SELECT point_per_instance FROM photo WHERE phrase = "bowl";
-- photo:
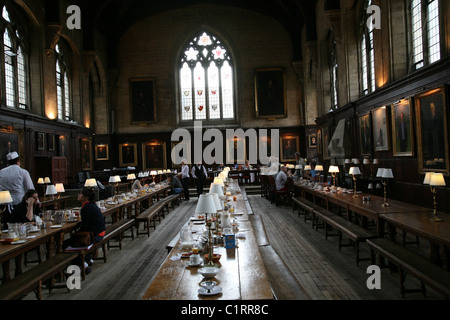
(216, 257)
(208, 272)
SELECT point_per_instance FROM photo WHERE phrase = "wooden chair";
(264, 180)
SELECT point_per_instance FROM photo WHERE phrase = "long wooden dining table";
(52, 236)
(409, 218)
(242, 274)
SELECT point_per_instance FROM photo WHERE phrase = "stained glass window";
(14, 72)
(206, 80)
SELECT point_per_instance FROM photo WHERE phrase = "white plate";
(31, 237)
(19, 242)
(213, 292)
(56, 226)
(194, 265)
(33, 230)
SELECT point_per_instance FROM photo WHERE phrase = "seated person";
(92, 220)
(136, 186)
(28, 208)
(313, 172)
(281, 179)
(175, 184)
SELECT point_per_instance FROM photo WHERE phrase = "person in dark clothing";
(175, 184)
(28, 208)
(185, 179)
(199, 174)
(92, 220)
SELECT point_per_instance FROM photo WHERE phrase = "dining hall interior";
(321, 126)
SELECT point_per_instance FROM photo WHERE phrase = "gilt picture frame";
(270, 93)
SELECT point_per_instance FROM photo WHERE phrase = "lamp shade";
(51, 190)
(153, 172)
(366, 161)
(354, 171)
(333, 169)
(355, 161)
(380, 172)
(216, 188)
(90, 183)
(427, 178)
(437, 180)
(5, 197)
(131, 176)
(307, 167)
(40, 181)
(376, 161)
(206, 204)
(347, 161)
(298, 166)
(319, 167)
(217, 202)
(47, 180)
(218, 180)
(160, 172)
(387, 174)
(59, 187)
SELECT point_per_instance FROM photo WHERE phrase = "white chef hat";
(12, 155)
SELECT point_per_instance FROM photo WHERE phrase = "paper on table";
(176, 257)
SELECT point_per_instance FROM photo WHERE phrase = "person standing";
(185, 179)
(299, 160)
(15, 179)
(199, 174)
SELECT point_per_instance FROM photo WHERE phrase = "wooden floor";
(301, 264)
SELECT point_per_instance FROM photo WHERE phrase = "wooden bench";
(149, 215)
(33, 278)
(307, 206)
(354, 232)
(115, 230)
(170, 200)
(408, 261)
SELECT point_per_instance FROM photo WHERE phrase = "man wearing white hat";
(15, 179)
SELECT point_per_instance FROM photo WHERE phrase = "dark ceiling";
(113, 17)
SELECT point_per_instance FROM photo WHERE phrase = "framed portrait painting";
(154, 155)
(127, 154)
(143, 100)
(432, 131)
(325, 142)
(402, 129)
(319, 141)
(40, 140)
(365, 135)
(101, 152)
(86, 154)
(312, 140)
(51, 142)
(235, 150)
(270, 93)
(10, 140)
(380, 129)
(289, 145)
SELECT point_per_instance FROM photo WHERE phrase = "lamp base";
(385, 205)
(436, 219)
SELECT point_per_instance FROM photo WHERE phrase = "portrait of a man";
(402, 137)
(433, 145)
(128, 154)
(142, 101)
(365, 134)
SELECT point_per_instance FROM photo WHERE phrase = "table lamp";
(59, 188)
(207, 205)
(90, 183)
(219, 180)
(153, 174)
(114, 180)
(385, 174)
(47, 180)
(131, 176)
(5, 198)
(435, 180)
(51, 191)
(333, 170)
(354, 171)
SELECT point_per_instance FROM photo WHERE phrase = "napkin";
(176, 257)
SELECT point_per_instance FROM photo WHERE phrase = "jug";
(186, 239)
(195, 257)
(59, 217)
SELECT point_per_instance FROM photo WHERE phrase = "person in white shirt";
(280, 180)
(199, 174)
(15, 179)
(185, 180)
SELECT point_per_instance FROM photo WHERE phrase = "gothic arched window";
(15, 70)
(367, 52)
(62, 85)
(206, 80)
